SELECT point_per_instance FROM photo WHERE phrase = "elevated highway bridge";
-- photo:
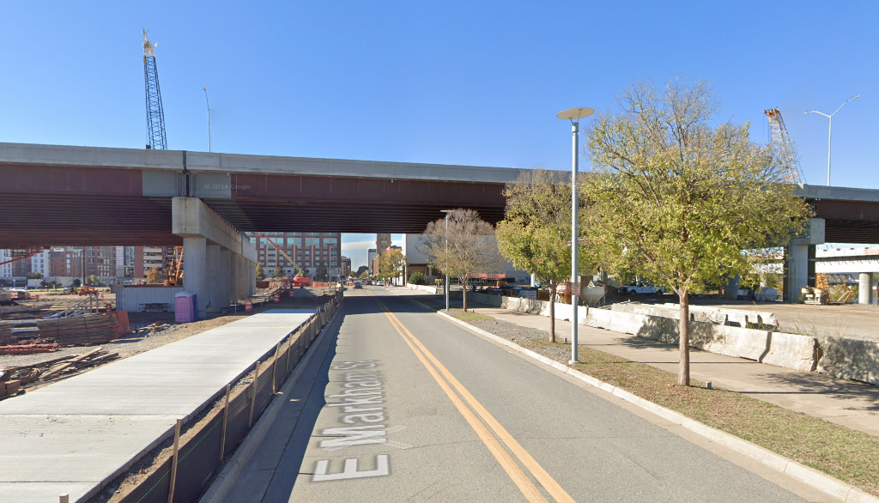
(65, 195)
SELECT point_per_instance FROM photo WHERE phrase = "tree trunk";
(684, 342)
(464, 293)
(552, 289)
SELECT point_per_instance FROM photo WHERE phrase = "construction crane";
(783, 149)
(175, 268)
(23, 254)
(156, 138)
(300, 279)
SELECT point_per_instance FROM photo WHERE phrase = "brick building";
(316, 253)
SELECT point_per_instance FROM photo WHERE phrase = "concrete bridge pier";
(218, 261)
(799, 261)
(865, 288)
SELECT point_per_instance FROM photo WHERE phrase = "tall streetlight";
(574, 115)
(205, 89)
(830, 129)
(446, 239)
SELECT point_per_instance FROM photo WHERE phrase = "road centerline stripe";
(525, 458)
(524, 484)
(544, 478)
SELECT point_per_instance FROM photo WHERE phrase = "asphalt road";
(401, 405)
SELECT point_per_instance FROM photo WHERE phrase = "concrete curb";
(811, 477)
(220, 488)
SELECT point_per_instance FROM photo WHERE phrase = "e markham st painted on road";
(362, 402)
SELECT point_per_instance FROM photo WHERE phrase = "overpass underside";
(97, 206)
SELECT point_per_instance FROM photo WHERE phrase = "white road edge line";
(219, 490)
(809, 476)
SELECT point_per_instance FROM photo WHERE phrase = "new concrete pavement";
(72, 436)
(399, 405)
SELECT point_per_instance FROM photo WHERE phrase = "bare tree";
(463, 250)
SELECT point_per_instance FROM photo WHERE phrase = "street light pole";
(574, 115)
(205, 89)
(830, 129)
(446, 287)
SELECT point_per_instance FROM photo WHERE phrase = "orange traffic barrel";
(277, 298)
(291, 293)
(248, 306)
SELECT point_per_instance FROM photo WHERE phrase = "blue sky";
(476, 83)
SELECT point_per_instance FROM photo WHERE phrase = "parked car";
(379, 283)
(641, 289)
(745, 294)
(358, 285)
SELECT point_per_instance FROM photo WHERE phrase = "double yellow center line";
(484, 424)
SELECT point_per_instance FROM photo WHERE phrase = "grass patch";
(468, 316)
(849, 455)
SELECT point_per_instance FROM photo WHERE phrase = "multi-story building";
(152, 257)
(382, 242)
(345, 264)
(40, 263)
(125, 262)
(5, 269)
(317, 253)
(82, 262)
(370, 259)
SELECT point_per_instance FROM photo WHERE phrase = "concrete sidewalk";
(848, 403)
(73, 436)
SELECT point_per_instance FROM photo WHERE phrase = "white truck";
(641, 289)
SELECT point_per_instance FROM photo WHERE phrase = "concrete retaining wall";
(851, 359)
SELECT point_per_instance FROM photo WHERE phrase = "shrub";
(417, 278)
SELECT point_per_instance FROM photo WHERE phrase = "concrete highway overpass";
(63, 195)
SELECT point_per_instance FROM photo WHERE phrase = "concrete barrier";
(851, 359)
(735, 317)
(780, 349)
(791, 351)
(660, 323)
(729, 341)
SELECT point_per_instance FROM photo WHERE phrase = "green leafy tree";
(417, 278)
(279, 273)
(361, 270)
(464, 249)
(260, 273)
(680, 201)
(535, 234)
(391, 264)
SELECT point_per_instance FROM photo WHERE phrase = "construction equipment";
(813, 296)
(156, 138)
(175, 270)
(783, 149)
(300, 280)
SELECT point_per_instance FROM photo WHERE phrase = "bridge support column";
(195, 269)
(865, 288)
(799, 261)
(799, 270)
(216, 256)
